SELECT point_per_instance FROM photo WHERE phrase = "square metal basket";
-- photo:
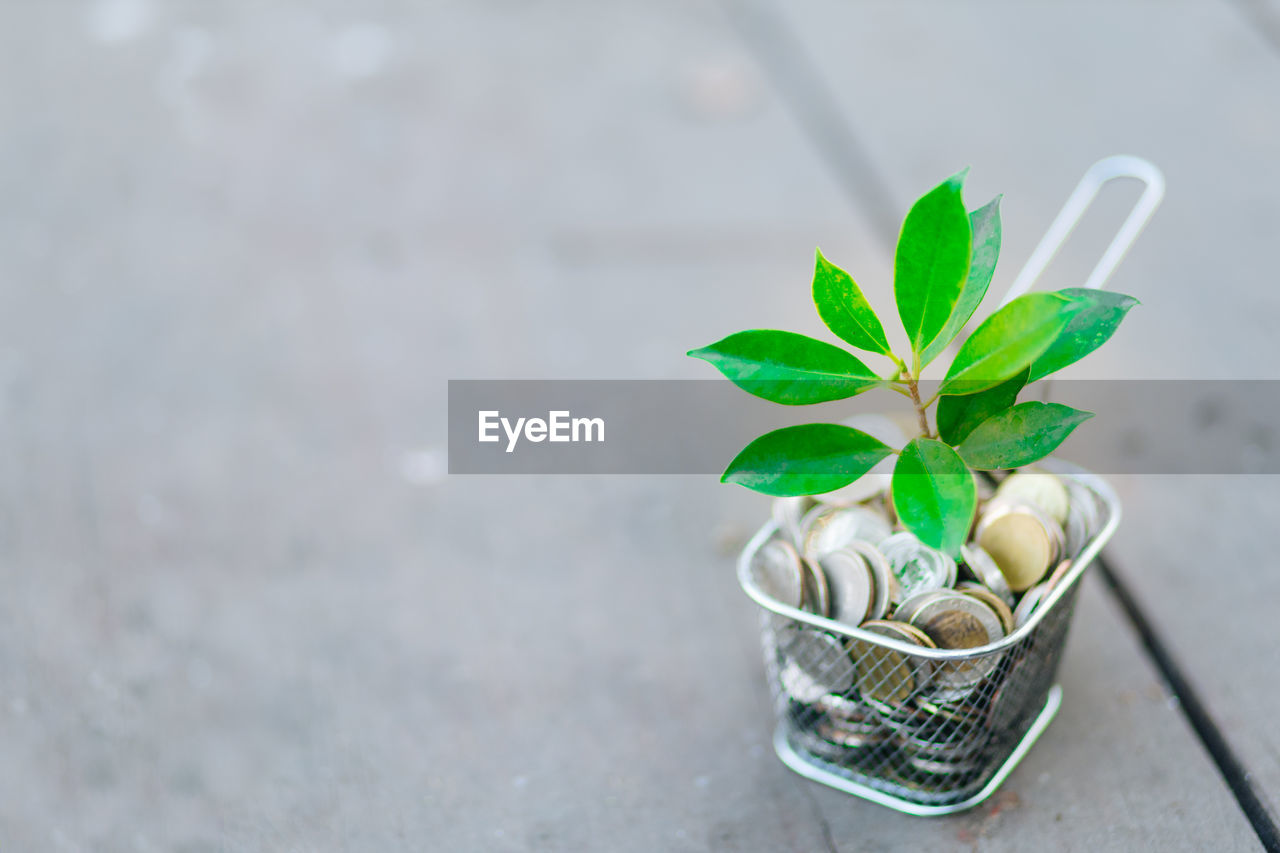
(901, 734)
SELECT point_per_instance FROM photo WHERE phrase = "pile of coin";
(855, 701)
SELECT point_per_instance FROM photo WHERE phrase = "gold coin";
(995, 602)
(908, 608)
(955, 620)
(1020, 540)
(918, 635)
(886, 675)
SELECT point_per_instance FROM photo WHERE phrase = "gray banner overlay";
(698, 426)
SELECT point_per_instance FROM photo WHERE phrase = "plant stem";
(914, 387)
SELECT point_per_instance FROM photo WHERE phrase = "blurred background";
(243, 246)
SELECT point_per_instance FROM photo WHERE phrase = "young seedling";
(943, 265)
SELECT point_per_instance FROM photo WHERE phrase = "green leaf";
(932, 261)
(844, 309)
(788, 368)
(959, 414)
(1006, 342)
(1094, 319)
(808, 459)
(985, 222)
(1020, 435)
(934, 494)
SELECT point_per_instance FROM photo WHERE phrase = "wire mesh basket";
(925, 731)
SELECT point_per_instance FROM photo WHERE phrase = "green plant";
(942, 267)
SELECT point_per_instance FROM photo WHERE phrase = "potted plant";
(914, 667)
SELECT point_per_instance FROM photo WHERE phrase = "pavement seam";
(1264, 18)
(1194, 711)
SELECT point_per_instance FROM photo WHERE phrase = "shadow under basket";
(923, 731)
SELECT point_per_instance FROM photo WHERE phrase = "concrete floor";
(242, 248)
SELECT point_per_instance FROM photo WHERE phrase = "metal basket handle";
(1100, 173)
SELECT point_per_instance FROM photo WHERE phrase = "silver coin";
(888, 593)
(830, 528)
(1043, 491)
(850, 583)
(817, 593)
(1030, 601)
(985, 570)
(908, 608)
(788, 513)
(822, 658)
(777, 571)
(917, 566)
(1084, 517)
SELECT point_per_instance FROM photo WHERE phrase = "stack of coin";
(845, 562)
(857, 702)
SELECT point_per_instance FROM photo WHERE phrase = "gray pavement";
(245, 245)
